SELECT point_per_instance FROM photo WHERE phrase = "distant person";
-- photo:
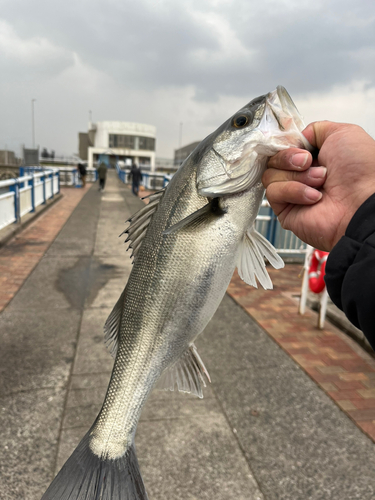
(136, 175)
(102, 173)
(82, 173)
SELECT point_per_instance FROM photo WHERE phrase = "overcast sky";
(166, 62)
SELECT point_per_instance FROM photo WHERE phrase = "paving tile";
(368, 428)
(363, 414)
(354, 376)
(80, 416)
(364, 403)
(86, 397)
(90, 380)
(346, 404)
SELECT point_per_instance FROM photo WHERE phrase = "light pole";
(180, 135)
(33, 121)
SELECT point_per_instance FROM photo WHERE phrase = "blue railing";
(69, 176)
(153, 181)
(22, 195)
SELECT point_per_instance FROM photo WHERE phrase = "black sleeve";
(350, 271)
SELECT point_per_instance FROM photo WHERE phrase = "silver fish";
(186, 245)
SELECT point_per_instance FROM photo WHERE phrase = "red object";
(317, 271)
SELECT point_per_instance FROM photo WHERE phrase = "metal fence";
(153, 181)
(285, 242)
(22, 195)
(69, 176)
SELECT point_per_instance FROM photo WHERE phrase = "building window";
(131, 142)
(121, 141)
(147, 143)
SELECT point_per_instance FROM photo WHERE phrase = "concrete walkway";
(264, 429)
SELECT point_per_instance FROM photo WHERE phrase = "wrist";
(362, 222)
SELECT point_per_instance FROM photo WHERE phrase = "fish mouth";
(281, 106)
(281, 111)
(289, 107)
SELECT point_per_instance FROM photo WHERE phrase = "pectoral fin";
(187, 374)
(211, 210)
(251, 265)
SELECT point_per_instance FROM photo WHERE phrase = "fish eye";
(240, 121)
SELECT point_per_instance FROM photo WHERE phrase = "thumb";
(318, 132)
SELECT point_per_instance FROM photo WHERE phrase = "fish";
(186, 244)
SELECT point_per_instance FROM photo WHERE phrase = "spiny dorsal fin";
(251, 265)
(187, 374)
(112, 325)
(139, 222)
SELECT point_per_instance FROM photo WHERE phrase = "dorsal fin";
(187, 374)
(251, 265)
(139, 222)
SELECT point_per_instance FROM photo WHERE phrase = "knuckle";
(284, 223)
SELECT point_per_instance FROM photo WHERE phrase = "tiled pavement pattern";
(21, 254)
(343, 370)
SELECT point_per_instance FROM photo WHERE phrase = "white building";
(121, 141)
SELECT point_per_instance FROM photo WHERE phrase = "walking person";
(82, 172)
(136, 176)
(102, 173)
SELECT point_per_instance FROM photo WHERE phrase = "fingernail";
(299, 159)
(312, 194)
(317, 172)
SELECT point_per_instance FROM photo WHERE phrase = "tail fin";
(85, 476)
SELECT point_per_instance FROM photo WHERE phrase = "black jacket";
(350, 270)
(136, 175)
(82, 169)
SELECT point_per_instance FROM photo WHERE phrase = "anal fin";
(188, 374)
(112, 325)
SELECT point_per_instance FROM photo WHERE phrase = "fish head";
(234, 157)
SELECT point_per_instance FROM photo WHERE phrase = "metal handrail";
(24, 195)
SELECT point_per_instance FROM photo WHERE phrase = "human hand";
(317, 198)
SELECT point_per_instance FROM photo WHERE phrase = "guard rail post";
(43, 179)
(305, 280)
(50, 175)
(16, 190)
(32, 184)
(272, 228)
